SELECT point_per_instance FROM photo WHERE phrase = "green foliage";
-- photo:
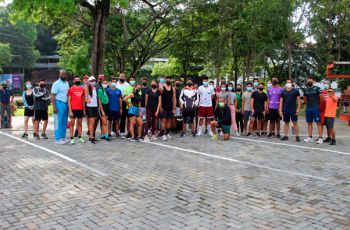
(170, 68)
(5, 55)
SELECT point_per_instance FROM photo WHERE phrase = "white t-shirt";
(205, 96)
(122, 87)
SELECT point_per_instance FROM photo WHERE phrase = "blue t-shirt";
(312, 95)
(5, 96)
(114, 95)
(290, 100)
(60, 89)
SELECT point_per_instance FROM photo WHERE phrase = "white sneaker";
(320, 140)
(210, 133)
(168, 136)
(60, 142)
(113, 134)
(164, 138)
(146, 139)
(238, 134)
(123, 134)
(199, 133)
(309, 140)
(154, 138)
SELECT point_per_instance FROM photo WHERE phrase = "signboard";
(338, 70)
(14, 81)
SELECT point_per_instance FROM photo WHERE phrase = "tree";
(5, 55)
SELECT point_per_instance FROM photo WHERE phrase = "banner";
(14, 81)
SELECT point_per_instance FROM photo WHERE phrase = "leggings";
(151, 121)
(233, 117)
(239, 121)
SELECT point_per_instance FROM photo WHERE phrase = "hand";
(266, 111)
(281, 114)
(252, 111)
(121, 111)
(70, 114)
(84, 113)
(174, 111)
(55, 110)
(242, 112)
(297, 112)
(157, 113)
(31, 107)
(103, 113)
(161, 110)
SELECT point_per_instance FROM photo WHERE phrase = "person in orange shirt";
(330, 114)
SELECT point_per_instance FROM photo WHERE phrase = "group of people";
(148, 110)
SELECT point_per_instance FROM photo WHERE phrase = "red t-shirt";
(323, 101)
(77, 97)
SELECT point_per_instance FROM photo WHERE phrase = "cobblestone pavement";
(191, 183)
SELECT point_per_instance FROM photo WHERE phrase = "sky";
(5, 2)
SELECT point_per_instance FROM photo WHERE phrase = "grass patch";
(20, 112)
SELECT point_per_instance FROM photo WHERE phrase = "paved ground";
(246, 183)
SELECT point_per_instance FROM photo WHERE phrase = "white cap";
(92, 78)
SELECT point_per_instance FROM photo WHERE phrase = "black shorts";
(114, 115)
(105, 109)
(78, 114)
(274, 115)
(258, 115)
(166, 114)
(329, 122)
(91, 112)
(289, 116)
(41, 115)
(28, 112)
(188, 116)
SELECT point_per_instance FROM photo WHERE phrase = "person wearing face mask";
(91, 107)
(323, 99)
(289, 108)
(188, 102)
(218, 89)
(246, 111)
(258, 106)
(59, 99)
(153, 106)
(222, 120)
(273, 101)
(76, 109)
(41, 104)
(144, 90)
(168, 108)
(239, 115)
(177, 115)
(122, 85)
(128, 90)
(222, 94)
(85, 84)
(312, 98)
(255, 84)
(6, 97)
(28, 102)
(115, 107)
(330, 114)
(134, 113)
(232, 103)
(205, 112)
(103, 102)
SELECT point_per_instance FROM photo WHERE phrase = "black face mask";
(238, 89)
(274, 82)
(63, 78)
(177, 85)
(144, 83)
(42, 85)
(189, 84)
(154, 86)
(122, 80)
(309, 83)
(77, 83)
(5, 87)
(168, 82)
(261, 89)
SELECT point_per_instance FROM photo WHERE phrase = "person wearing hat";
(59, 100)
(91, 107)
(330, 114)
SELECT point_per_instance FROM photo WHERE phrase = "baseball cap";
(92, 78)
(101, 77)
(86, 77)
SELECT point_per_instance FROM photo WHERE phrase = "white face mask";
(288, 85)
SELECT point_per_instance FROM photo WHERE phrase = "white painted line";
(58, 155)
(240, 162)
(290, 145)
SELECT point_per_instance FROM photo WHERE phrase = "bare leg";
(45, 126)
(71, 130)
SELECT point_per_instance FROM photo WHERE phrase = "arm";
(236, 102)
(146, 100)
(87, 100)
(53, 103)
(299, 104)
(121, 105)
(334, 98)
(11, 97)
(25, 103)
(99, 95)
(281, 106)
(159, 107)
(252, 105)
(174, 101)
(70, 113)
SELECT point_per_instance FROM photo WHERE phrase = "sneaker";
(128, 136)
(72, 142)
(206, 131)
(284, 138)
(81, 140)
(112, 134)
(43, 136)
(278, 135)
(327, 140)
(102, 137)
(309, 140)
(182, 134)
(164, 138)
(168, 136)
(63, 140)
(210, 133)
(219, 133)
(199, 133)
(238, 134)
(36, 137)
(92, 140)
(258, 134)
(297, 139)
(214, 137)
(263, 133)
(88, 133)
(24, 135)
(333, 142)
(154, 138)
(270, 135)
(117, 135)
(249, 134)
(107, 139)
(146, 139)
(320, 140)
(194, 134)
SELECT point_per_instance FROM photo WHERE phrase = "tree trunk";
(290, 59)
(100, 16)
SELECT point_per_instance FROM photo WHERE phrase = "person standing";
(122, 85)
(41, 104)
(153, 105)
(239, 115)
(290, 99)
(76, 106)
(312, 98)
(91, 108)
(273, 101)
(330, 114)
(246, 110)
(324, 97)
(115, 109)
(258, 106)
(6, 97)
(28, 102)
(188, 101)
(134, 103)
(232, 102)
(206, 112)
(103, 102)
(168, 108)
(59, 99)
(144, 90)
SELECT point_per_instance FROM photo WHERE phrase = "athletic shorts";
(273, 115)
(258, 116)
(91, 112)
(78, 114)
(41, 115)
(226, 129)
(329, 122)
(105, 109)
(289, 116)
(188, 116)
(246, 115)
(5, 108)
(114, 115)
(313, 115)
(166, 114)
(28, 112)
(206, 112)
(133, 111)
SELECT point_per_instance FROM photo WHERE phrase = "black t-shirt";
(312, 95)
(178, 92)
(223, 115)
(167, 99)
(290, 100)
(259, 101)
(143, 96)
(153, 99)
